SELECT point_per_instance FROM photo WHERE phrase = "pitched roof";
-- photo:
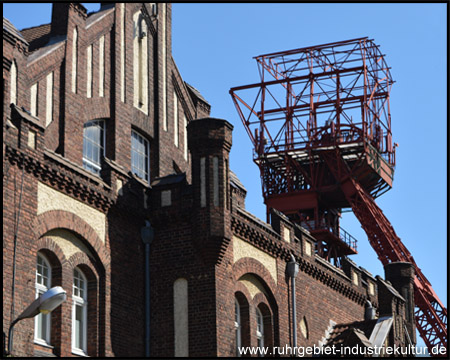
(366, 333)
(11, 29)
(37, 36)
(347, 334)
(234, 180)
(196, 93)
(389, 286)
(169, 179)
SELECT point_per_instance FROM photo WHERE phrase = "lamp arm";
(7, 352)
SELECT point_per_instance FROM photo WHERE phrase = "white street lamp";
(45, 304)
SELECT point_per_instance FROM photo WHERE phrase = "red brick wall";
(190, 242)
(116, 273)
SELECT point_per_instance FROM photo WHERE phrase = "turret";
(401, 276)
(210, 144)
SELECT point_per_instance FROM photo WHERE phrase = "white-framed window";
(237, 326)
(259, 328)
(140, 156)
(79, 313)
(42, 322)
(93, 145)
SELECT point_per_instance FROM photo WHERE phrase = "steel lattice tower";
(320, 125)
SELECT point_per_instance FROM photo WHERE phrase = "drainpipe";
(369, 311)
(13, 292)
(292, 271)
(147, 235)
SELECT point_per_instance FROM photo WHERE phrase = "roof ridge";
(33, 27)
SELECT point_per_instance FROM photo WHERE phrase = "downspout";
(147, 234)
(292, 271)
(11, 331)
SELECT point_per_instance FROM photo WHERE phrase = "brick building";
(96, 126)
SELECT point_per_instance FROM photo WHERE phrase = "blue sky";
(214, 46)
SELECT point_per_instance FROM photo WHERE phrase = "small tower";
(401, 275)
(210, 142)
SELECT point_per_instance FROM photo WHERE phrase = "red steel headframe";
(341, 91)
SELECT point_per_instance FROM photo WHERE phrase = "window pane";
(139, 156)
(93, 145)
(79, 326)
(39, 333)
(45, 271)
(43, 282)
(96, 133)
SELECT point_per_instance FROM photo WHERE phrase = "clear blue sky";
(214, 45)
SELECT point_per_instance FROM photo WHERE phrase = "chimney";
(61, 14)
(210, 142)
(401, 275)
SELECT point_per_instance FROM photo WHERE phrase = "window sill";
(79, 352)
(43, 344)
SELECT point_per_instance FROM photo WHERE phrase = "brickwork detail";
(49, 199)
(207, 251)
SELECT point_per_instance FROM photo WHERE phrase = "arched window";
(264, 326)
(42, 323)
(259, 328)
(79, 313)
(237, 325)
(93, 145)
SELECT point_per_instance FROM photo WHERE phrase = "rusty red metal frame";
(431, 314)
(322, 84)
(320, 123)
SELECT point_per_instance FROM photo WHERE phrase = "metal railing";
(347, 238)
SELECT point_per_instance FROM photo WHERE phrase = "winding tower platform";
(320, 124)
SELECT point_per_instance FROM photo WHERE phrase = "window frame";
(237, 326)
(146, 143)
(88, 164)
(259, 328)
(83, 303)
(40, 289)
